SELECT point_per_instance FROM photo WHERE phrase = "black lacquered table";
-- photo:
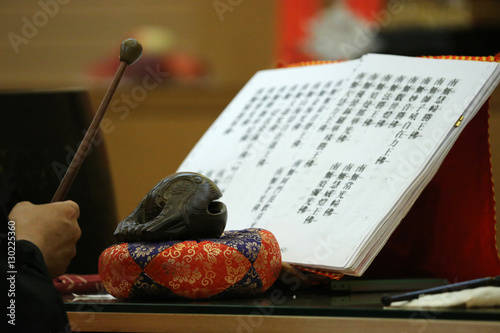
(316, 309)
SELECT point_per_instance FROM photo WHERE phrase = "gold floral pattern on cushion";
(244, 262)
(269, 256)
(118, 270)
(182, 268)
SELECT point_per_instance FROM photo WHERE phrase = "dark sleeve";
(39, 307)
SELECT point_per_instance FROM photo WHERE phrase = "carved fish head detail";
(181, 206)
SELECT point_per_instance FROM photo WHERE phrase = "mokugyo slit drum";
(174, 247)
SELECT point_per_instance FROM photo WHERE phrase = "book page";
(272, 113)
(329, 158)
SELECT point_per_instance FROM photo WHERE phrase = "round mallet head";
(130, 51)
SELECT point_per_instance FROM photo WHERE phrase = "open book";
(331, 157)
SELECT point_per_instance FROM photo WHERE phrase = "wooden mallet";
(130, 52)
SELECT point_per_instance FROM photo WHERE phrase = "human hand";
(53, 228)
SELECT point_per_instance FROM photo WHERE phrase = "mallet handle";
(88, 139)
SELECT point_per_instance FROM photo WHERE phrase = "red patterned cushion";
(238, 263)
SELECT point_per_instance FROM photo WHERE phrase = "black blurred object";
(478, 41)
(39, 133)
